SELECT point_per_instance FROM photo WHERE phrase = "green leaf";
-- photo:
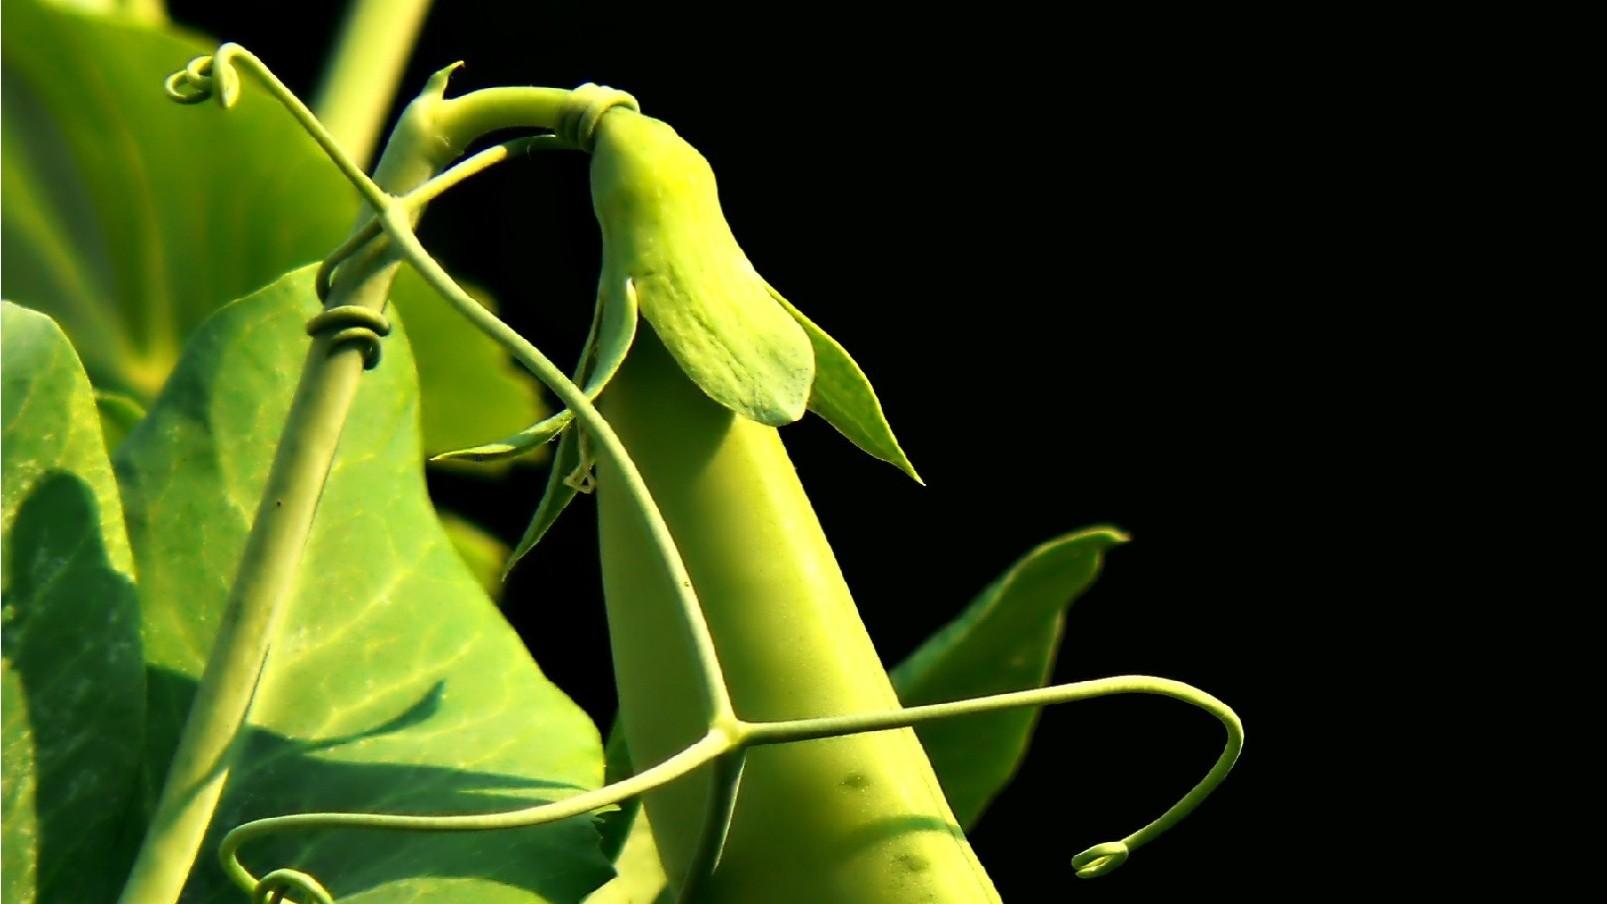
(395, 680)
(641, 878)
(564, 481)
(628, 840)
(1004, 641)
(118, 415)
(130, 218)
(74, 680)
(484, 553)
(664, 233)
(842, 394)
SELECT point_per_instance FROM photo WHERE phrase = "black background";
(1073, 255)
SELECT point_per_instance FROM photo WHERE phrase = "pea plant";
(246, 658)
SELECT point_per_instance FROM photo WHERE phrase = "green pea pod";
(846, 820)
(659, 208)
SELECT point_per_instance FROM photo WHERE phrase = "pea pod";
(854, 819)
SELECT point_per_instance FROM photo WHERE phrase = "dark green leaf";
(842, 394)
(74, 680)
(395, 682)
(1004, 641)
(130, 218)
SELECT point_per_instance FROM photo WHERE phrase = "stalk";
(272, 557)
(357, 88)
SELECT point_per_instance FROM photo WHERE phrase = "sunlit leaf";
(74, 680)
(1005, 640)
(129, 218)
(396, 682)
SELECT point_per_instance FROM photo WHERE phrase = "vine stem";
(271, 560)
(357, 88)
(711, 746)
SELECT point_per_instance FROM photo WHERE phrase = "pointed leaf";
(663, 229)
(395, 676)
(1004, 641)
(74, 680)
(129, 218)
(842, 394)
(560, 492)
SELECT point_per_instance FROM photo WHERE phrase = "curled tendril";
(277, 886)
(585, 106)
(207, 76)
(1100, 859)
(350, 323)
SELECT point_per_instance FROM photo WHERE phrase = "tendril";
(1099, 859)
(415, 200)
(277, 886)
(352, 324)
(218, 75)
(577, 123)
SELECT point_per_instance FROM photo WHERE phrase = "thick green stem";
(272, 556)
(364, 70)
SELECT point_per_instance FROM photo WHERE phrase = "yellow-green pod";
(845, 820)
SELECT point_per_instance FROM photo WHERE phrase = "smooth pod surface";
(857, 819)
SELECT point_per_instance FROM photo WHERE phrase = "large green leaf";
(1004, 641)
(396, 685)
(129, 218)
(74, 680)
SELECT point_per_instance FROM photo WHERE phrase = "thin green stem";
(1097, 860)
(271, 560)
(463, 119)
(416, 200)
(711, 746)
(358, 86)
(574, 397)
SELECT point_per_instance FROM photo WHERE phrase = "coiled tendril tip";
(1100, 859)
(277, 886)
(206, 76)
(352, 323)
